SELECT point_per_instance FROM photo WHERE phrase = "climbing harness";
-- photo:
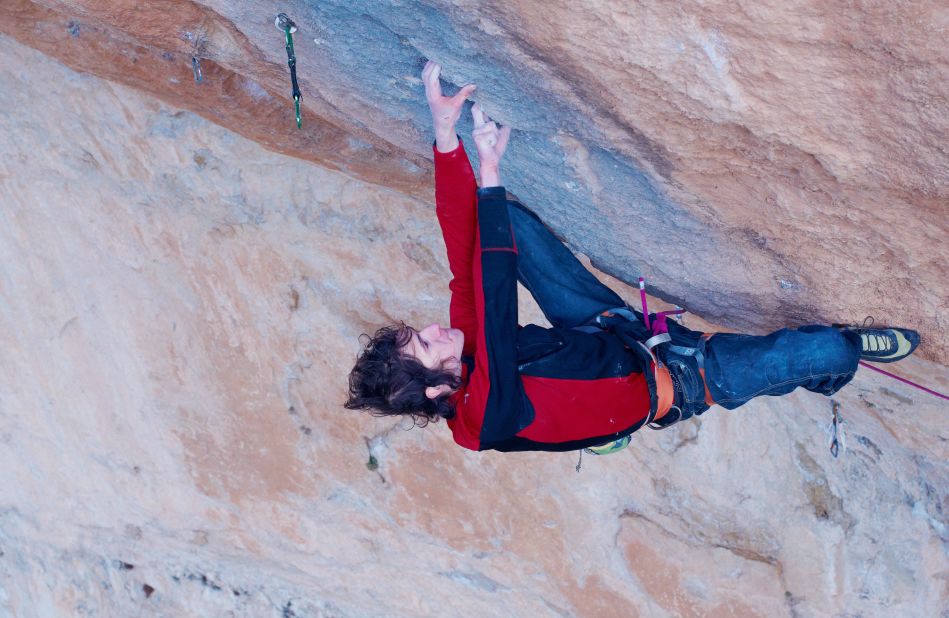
(656, 333)
(666, 384)
(286, 25)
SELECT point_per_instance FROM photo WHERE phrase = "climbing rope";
(904, 380)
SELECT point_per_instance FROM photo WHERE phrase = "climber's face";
(436, 347)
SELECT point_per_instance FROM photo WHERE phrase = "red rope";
(911, 383)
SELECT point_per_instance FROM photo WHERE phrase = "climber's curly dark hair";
(391, 384)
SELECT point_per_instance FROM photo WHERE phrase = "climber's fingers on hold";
(459, 98)
(503, 136)
(482, 132)
(487, 136)
(478, 116)
(430, 74)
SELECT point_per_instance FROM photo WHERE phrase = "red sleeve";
(456, 209)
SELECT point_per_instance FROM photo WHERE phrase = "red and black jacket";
(525, 388)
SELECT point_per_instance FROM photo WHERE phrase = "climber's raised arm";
(455, 199)
(491, 143)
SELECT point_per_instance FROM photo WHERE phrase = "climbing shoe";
(886, 345)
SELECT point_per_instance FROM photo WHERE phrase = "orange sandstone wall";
(185, 275)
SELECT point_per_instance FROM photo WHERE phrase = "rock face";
(180, 308)
(763, 164)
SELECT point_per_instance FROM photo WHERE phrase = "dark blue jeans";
(738, 368)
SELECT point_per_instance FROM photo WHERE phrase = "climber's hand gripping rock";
(445, 110)
(491, 143)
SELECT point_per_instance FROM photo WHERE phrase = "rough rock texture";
(179, 311)
(763, 163)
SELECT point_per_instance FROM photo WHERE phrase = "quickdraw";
(286, 25)
(196, 68)
(836, 429)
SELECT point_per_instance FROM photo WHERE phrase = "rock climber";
(600, 372)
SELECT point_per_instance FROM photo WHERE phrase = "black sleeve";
(507, 410)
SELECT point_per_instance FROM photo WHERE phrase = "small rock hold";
(306, 429)
(200, 537)
(205, 581)
(73, 28)
(123, 565)
(148, 590)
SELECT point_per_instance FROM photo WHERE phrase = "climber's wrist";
(446, 139)
(490, 176)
